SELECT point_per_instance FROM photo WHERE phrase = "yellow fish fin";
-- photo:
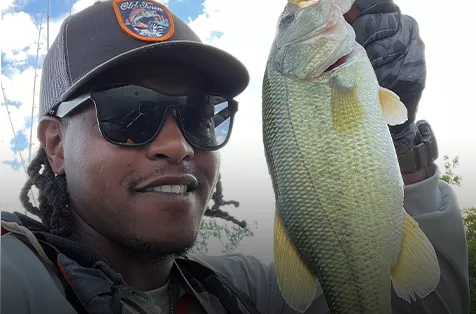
(417, 269)
(297, 284)
(347, 110)
(303, 3)
(393, 109)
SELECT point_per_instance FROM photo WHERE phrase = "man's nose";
(170, 143)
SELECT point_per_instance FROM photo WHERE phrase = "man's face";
(100, 174)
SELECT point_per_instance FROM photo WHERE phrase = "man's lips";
(170, 180)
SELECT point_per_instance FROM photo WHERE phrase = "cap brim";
(227, 73)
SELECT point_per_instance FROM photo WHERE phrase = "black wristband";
(423, 154)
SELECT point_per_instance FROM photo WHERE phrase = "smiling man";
(134, 110)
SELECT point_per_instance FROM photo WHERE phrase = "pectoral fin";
(297, 284)
(393, 109)
(347, 110)
(417, 269)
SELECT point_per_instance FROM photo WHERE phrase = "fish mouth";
(338, 63)
(346, 54)
(334, 66)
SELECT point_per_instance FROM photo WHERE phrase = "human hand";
(397, 54)
(395, 50)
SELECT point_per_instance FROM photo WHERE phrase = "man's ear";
(51, 135)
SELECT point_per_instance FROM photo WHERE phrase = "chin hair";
(148, 251)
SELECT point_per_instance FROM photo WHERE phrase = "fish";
(140, 18)
(340, 221)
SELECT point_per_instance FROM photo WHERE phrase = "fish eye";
(287, 19)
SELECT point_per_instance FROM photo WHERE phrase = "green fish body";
(339, 192)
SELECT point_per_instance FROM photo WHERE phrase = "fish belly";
(339, 195)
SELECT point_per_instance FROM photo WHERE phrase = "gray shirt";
(30, 286)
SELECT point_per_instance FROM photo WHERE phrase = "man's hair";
(54, 210)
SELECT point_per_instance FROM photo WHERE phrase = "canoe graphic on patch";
(144, 20)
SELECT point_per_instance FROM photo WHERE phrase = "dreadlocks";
(215, 211)
(53, 209)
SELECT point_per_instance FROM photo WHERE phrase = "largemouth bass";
(340, 220)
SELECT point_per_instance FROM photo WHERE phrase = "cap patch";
(145, 20)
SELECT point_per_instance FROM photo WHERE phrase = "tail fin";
(417, 269)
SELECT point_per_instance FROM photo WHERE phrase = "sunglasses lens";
(132, 115)
(208, 128)
(128, 115)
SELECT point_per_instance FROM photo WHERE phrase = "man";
(134, 110)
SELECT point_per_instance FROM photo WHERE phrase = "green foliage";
(449, 176)
(227, 234)
(470, 226)
(469, 215)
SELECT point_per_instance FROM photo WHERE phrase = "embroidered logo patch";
(145, 20)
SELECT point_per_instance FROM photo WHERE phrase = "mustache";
(160, 170)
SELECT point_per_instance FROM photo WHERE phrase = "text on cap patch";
(145, 20)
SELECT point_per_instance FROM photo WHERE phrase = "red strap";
(4, 231)
(183, 306)
(63, 272)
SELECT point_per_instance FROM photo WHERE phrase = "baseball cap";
(109, 33)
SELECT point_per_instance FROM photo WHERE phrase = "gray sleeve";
(14, 286)
(27, 287)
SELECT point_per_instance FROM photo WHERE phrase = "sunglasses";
(131, 115)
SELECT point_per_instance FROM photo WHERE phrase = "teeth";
(177, 189)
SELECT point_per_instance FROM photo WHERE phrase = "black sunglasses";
(131, 115)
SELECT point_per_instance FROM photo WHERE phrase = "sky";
(246, 29)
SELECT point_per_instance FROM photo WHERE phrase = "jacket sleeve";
(14, 286)
(27, 286)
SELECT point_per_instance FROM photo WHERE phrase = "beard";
(147, 251)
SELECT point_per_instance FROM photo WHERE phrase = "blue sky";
(185, 9)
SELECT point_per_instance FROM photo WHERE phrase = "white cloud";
(13, 41)
(19, 57)
(81, 5)
(248, 36)
(17, 47)
(6, 4)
